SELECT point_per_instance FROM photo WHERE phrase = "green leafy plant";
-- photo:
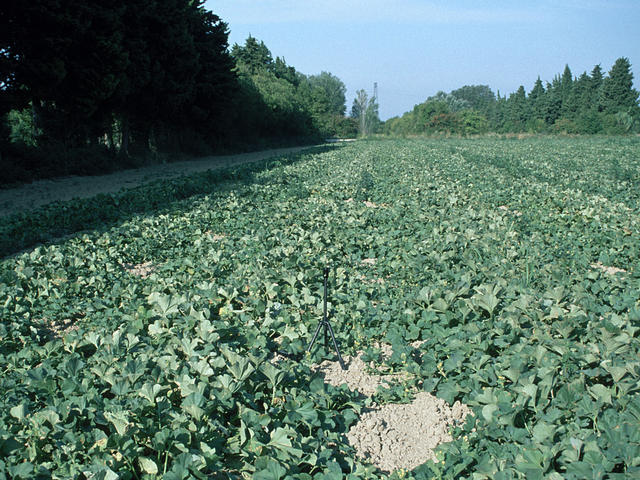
(488, 268)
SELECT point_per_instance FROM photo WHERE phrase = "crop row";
(145, 347)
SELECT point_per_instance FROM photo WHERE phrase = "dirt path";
(41, 192)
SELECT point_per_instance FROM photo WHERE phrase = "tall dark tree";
(215, 83)
(553, 101)
(566, 88)
(537, 101)
(252, 56)
(70, 69)
(518, 113)
(581, 94)
(618, 94)
(595, 87)
(286, 72)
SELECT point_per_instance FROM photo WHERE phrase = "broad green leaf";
(19, 411)
(600, 393)
(120, 420)
(272, 471)
(147, 465)
(488, 411)
(543, 432)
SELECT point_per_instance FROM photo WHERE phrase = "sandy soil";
(394, 436)
(41, 192)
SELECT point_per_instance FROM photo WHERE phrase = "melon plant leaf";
(148, 466)
(120, 420)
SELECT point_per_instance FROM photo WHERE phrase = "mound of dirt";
(356, 376)
(394, 436)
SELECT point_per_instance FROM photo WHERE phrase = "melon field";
(160, 332)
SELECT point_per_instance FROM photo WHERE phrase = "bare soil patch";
(140, 270)
(607, 269)
(358, 375)
(403, 436)
(42, 192)
(394, 436)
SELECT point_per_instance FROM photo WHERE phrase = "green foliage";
(332, 89)
(278, 101)
(587, 104)
(478, 97)
(144, 80)
(618, 94)
(22, 129)
(454, 103)
(254, 57)
(472, 122)
(436, 116)
(489, 250)
(346, 127)
(130, 77)
(365, 112)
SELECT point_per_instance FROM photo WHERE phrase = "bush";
(21, 128)
(564, 125)
(346, 127)
(472, 122)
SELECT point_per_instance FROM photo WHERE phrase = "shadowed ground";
(41, 192)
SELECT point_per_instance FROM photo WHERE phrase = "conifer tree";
(618, 94)
(595, 87)
(537, 100)
(518, 113)
(254, 56)
(568, 106)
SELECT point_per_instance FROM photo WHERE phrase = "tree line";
(591, 103)
(87, 86)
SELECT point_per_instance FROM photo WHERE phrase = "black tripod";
(327, 326)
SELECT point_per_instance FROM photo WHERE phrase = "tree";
(454, 103)
(105, 68)
(517, 111)
(423, 114)
(373, 116)
(333, 90)
(358, 110)
(253, 56)
(536, 100)
(365, 111)
(286, 72)
(478, 97)
(69, 70)
(553, 101)
(618, 94)
(595, 88)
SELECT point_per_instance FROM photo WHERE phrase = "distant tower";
(375, 91)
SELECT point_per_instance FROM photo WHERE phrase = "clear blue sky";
(413, 48)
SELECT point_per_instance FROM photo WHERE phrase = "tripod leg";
(326, 336)
(335, 345)
(315, 335)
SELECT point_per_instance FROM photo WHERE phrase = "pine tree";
(253, 56)
(553, 101)
(536, 100)
(618, 94)
(595, 87)
(284, 71)
(566, 89)
(518, 113)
